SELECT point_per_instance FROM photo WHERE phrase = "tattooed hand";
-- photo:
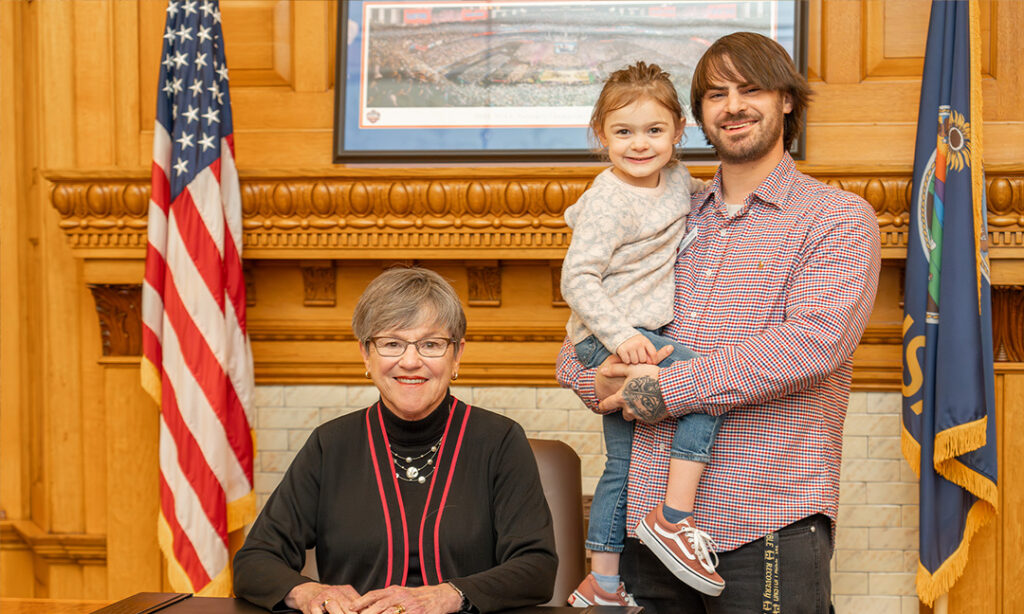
(643, 397)
(639, 397)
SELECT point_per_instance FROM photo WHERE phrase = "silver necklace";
(409, 472)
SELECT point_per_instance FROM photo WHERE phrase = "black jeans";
(799, 584)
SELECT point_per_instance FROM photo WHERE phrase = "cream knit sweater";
(617, 274)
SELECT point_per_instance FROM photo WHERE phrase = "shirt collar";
(772, 191)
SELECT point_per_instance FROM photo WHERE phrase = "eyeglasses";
(430, 347)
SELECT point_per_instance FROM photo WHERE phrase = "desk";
(221, 605)
(49, 606)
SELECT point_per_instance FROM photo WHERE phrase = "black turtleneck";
(411, 438)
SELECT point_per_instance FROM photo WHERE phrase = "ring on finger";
(399, 608)
(323, 606)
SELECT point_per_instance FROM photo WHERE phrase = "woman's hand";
(316, 598)
(437, 599)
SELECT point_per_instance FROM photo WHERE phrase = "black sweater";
(495, 539)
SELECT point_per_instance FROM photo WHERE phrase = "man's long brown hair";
(747, 57)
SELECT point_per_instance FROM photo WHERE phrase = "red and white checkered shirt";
(775, 299)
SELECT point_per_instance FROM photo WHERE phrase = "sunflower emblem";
(954, 138)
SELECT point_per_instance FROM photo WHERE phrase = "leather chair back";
(560, 477)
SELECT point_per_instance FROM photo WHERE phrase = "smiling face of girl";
(640, 139)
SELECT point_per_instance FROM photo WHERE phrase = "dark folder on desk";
(143, 603)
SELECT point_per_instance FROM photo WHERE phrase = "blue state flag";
(948, 385)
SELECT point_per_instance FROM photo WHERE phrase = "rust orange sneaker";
(588, 593)
(684, 549)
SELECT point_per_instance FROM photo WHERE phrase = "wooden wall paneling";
(845, 104)
(56, 78)
(270, 113)
(895, 33)
(258, 42)
(150, 27)
(93, 79)
(63, 580)
(312, 50)
(859, 144)
(14, 476)
(93, 427)
(1003, 84)
(814, 18)
(1007, 23)
(134, 561)
(16, 576)
(1011, 489)
(840, 39)
(33, 398)
(127, 102)
(332, 40)
(62, 394)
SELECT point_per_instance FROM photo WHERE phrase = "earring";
(455, 376)
(367, 374)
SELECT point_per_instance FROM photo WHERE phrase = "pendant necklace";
(409, 472)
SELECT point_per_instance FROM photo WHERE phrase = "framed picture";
(515, 80)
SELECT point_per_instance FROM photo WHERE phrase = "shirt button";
(708, 273)
(723, 233)
(693, 314)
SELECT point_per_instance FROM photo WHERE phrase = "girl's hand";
(436, 599)
(636, 350)
(316, 598)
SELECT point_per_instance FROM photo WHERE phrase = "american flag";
(196, 361)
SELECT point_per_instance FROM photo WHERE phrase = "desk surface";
(49, 606)
(219, 605)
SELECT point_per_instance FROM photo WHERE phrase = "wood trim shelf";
(470, 214)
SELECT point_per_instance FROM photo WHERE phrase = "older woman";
(416, 504)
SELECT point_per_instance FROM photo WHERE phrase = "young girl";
(618, 279)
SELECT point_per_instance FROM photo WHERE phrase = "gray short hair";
(404, 297)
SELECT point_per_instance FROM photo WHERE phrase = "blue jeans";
(692, 441)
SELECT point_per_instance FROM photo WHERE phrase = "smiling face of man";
(743, 121)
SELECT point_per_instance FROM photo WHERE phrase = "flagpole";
(941, 604)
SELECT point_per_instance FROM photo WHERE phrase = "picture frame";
(423, 81)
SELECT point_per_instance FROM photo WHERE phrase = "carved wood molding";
(484, 284)
(477, 213)
(319, 282)
(55, 548)
(119, 307)
(1008, 323)
(557, 300)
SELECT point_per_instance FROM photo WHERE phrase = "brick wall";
(876, 545)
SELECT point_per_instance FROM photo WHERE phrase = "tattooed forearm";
(643, 396)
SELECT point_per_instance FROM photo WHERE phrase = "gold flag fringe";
(931, 586)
